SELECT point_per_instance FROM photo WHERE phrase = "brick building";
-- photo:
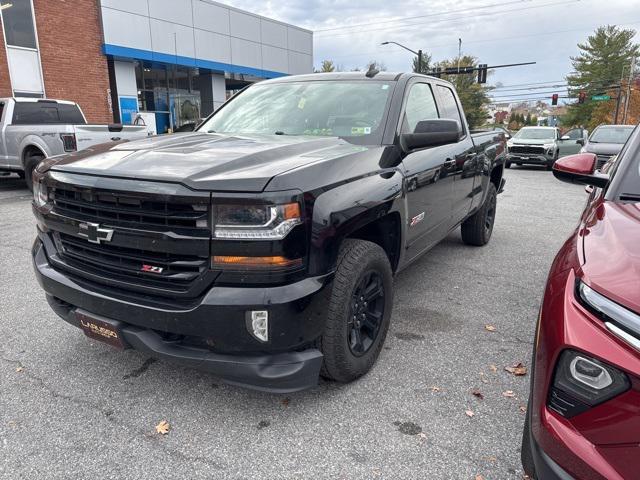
(175, 60)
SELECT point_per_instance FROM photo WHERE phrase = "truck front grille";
(527, 149)
(157, 270)
(128, 210)
(601, 160)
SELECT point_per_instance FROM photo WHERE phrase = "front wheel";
(359, 311)
(30, 164)
(477, 229)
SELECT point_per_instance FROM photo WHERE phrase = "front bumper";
(546, 468)
(533, 159)
(211, 334)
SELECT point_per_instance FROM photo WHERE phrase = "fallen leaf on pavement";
(19, 369)
(517, 369)
(479, 477)
(163, 427)
(435, 389)
(509, 394)
(493, 368)
(285, 402)
(492, 459)
(523, 409)
(422, 436)
(477, 393)
(469, 413)
(483, 379)
(490, 328)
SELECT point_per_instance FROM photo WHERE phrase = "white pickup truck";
(33, 129)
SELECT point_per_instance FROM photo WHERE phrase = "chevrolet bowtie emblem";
(93, 233)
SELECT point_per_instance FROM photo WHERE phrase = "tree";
(473, 95)
(527, 119)
(534, 120)
(327, 66)
(598, 66)
(426, 64)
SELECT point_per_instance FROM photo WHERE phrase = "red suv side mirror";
(580, 169)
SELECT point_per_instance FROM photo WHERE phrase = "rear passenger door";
(428, 183)
(573, 144)
(465, 164)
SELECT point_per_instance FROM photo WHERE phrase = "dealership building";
(173, 60)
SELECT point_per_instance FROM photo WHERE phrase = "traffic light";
(554, 99)
(581, 97)
(482, 73)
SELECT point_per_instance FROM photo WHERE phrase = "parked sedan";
(583, 418)
(607, 141)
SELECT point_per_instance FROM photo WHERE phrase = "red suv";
(583, 420)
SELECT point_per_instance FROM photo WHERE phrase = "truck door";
(571, 142)
(427, 176)
(3, 147)
(467, 164)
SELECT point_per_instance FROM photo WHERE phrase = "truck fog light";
(258, 324)
(590, 373)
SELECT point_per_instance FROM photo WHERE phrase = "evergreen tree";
(426, 64)
(327, 66)
(599, 64)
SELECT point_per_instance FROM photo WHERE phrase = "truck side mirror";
(580, 141)
(580, 169)
(565, 137)
(431, 133)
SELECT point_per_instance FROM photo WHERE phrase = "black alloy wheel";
(367, 310)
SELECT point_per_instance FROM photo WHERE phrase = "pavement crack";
(140, 370)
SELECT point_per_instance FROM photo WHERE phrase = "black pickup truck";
(262, 247)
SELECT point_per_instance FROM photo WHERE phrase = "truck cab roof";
(37, 100)
(383, 76)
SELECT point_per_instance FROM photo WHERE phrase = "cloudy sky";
(495, 31)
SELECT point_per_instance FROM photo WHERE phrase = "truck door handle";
(450, 163)
(115, 139)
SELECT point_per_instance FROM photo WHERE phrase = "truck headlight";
(255, 222)
(40, 192)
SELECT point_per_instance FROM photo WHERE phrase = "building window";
(17, 18)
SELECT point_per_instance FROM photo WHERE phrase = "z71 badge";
(151, 269)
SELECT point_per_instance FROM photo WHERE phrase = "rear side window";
(41, 113)
(1, 109)
(70, 114)
(449, 106)
(420, 106)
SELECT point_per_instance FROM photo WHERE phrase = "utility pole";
(419, 61)
(618, 99)
(459, 52)
(628, 96)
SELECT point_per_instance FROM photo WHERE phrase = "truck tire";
(477, 229)
(31, 161)
(359, 311)
(526, 456)
(555, 159)
(507, 164)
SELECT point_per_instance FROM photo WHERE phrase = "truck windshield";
(351, 109)
(536, 134)
(611, 135)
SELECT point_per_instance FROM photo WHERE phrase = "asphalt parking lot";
(71, 408)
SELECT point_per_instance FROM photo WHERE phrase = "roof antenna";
(372, 72)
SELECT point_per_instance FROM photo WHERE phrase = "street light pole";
(418, 53)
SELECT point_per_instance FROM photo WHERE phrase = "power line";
(403, 19)
(446, 20)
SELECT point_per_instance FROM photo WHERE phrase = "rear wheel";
(31, 161)
(359, 311)
(477, 229)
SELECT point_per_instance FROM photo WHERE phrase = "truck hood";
(204, 161)
(522, 141)
(604, 148)
(612, 251)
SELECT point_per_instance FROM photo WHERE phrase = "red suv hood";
(611, 242)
